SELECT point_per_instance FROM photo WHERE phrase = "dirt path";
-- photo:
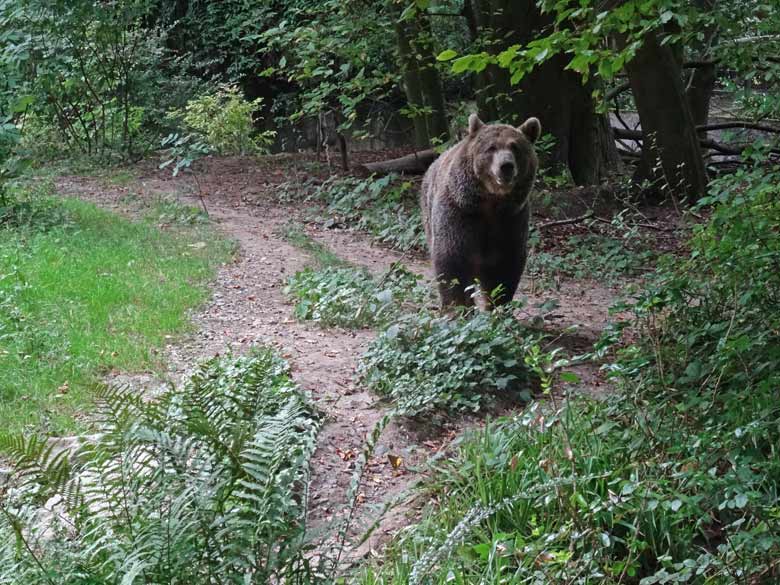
(249, 307)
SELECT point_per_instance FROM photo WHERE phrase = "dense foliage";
(82, 72)
(425, 361)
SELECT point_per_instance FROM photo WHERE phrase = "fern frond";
(37, 461)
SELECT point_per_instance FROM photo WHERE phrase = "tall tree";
(671, 157)
(558, 97)
(422, 83)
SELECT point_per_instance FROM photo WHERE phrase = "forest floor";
(248, 306)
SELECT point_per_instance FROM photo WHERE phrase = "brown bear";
(475, 211)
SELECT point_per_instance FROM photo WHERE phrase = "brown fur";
(475, 216)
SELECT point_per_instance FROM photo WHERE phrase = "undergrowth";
(426, 361)
(353, 297)
(83, 292)
(205, 485)
(675, 478)
(385, 207)
(591, 256)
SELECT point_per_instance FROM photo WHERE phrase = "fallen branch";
(745, 125)
(628, 134)
(570, 221)
(638, 136)
(721, 148)
(616, 91)
(628, 153)
(649, 226)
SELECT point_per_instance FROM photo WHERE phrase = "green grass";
(90, 293)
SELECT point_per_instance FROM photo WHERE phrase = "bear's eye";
(491, 148)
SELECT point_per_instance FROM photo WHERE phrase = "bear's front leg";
(454, 277)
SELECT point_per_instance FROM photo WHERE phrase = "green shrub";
(387, 208)
(81, 76)
(206, 484)
(351, 297)
(675, 478)
(226, 121)
(426, 361)
(31, 210)
(721, 328)
(555, 497)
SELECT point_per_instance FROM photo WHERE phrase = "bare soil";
(248, 307)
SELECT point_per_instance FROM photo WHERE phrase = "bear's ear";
(532, 129)
(474, 124)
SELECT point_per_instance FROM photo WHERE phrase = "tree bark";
(563, 104)
(699, 94)
(422, 83)
(671, 157)
(485, 109)
(702, 80)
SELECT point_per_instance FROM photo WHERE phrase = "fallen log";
(411, 164)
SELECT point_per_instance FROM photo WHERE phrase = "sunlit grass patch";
(85, 294)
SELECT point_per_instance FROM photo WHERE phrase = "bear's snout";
(507, 170)
(504, 168)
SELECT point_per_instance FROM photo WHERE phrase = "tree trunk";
(702, 81)
(422, 83)
(563, 104)
(671, 157)
(471, 11)
(699, 94)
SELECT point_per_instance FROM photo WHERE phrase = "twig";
(643, 225)
(569, 221)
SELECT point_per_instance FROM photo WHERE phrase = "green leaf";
(447, 55)
(569, 377)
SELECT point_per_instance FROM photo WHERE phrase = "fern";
(205, 485)
(39, 462)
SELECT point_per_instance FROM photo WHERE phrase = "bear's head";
(503, 155)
